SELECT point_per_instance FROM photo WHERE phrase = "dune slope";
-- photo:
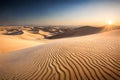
(10, 43)
(29, 36)
(81, 31)
(95, 57)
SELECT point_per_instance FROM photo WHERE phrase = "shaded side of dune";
(14, 33)
(81, 31)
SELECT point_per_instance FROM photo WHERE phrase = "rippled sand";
(93, 57)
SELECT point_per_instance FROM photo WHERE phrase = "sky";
(59, 12)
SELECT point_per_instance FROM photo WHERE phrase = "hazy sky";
(59, 12)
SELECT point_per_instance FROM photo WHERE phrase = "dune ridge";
(80, 31)
(94, 57)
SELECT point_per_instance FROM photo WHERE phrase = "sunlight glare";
(110, 22)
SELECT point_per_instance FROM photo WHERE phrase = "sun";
(109, 25)
(110, 22)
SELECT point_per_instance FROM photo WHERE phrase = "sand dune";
(45, 33)
(30, 36)
(114, 33)
(11, 43)
(81, 31)
(94, 57)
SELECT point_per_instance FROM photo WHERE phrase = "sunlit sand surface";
(92, 57)
(8, 44)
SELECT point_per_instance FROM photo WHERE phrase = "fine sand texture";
(92, 57)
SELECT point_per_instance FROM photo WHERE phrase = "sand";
(81, 31)
(92, 57)
(9, 44)
(29, 36)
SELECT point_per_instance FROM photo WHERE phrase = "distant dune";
(92, 57)
(81, 31)
(29, 36)
(14, 41)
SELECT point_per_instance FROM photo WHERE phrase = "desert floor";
(90, 57)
